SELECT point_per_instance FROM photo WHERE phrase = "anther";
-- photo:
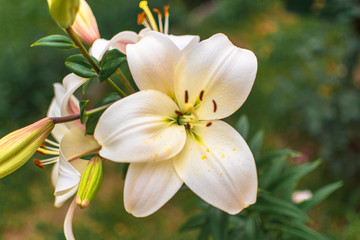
(140, 18)
(38, 163)
(186, 96)
(208, 124)
(179, 113)
(188, 127)
(201, 95)
(215, 106)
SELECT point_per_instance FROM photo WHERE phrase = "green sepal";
(55, 41)
(78, 65)
(109, 63)
(83, 115)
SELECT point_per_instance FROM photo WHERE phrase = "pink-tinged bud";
(19, 146)
(85, 25)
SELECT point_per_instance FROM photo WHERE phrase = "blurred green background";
(306, 97)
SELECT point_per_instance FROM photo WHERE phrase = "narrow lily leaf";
(299, 231)
(320, 195)
(218, 223)
(267, 204)
(110, 62)
(274, 155)
(83, 115)
(78, 65)
(293, 175)
(255, 144)
(272, 173)
(193, 222)
(242, 126)
(55, 41)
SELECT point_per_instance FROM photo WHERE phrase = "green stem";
(91, 61)
(125, 81)
(97, 110)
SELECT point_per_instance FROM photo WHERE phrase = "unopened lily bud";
(85, 25)
(64, 11)
(90, 182)
(18, 147)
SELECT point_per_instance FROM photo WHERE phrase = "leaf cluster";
(274, 216)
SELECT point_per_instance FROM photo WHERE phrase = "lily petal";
(224, 72)
(137, 129)
(55, 111)
(148, 186)
(122, 39)
(184, 41)
(219, 167)
(99, 47)
(152, 62)
(68, 222)
(73, 146)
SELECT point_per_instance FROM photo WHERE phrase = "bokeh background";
(306, 97)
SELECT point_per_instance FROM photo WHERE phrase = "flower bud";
(18, 147)
(90, 182)
(85, 25)
(64, 11)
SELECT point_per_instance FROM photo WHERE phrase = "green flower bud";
(90, 182)
(18, 147)
(64, 11)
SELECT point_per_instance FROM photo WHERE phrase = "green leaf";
(110, 62)
(274, 206)
(55, 41)
(320, 195)
(219, 223)
(193, 222)
(83, 115)
(242, 126)
(255, 143)
(272, 173)
(293, 175)
(93, 119)
(78, 65)
(274, 155)
(298, 230)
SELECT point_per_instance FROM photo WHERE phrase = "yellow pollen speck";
(234, 149)
(203, 157)
(207, 150)
(156, 154)
(222, 155)
(182, 131)
(196, 174)
(221, 174)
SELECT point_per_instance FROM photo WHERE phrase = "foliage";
(274, 216)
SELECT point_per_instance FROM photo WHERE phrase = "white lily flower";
(73, 142)
(170, 132)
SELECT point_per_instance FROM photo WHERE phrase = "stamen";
(166, 13)
(52, 143)
(46, 152)
(179, 113)
(159, 19)
(142, 20)
(42, 163)
(215, 106)
(38, 163)
(201, 95)
(188, 127)
(186, 96)
(144, 6)
(208, 124)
